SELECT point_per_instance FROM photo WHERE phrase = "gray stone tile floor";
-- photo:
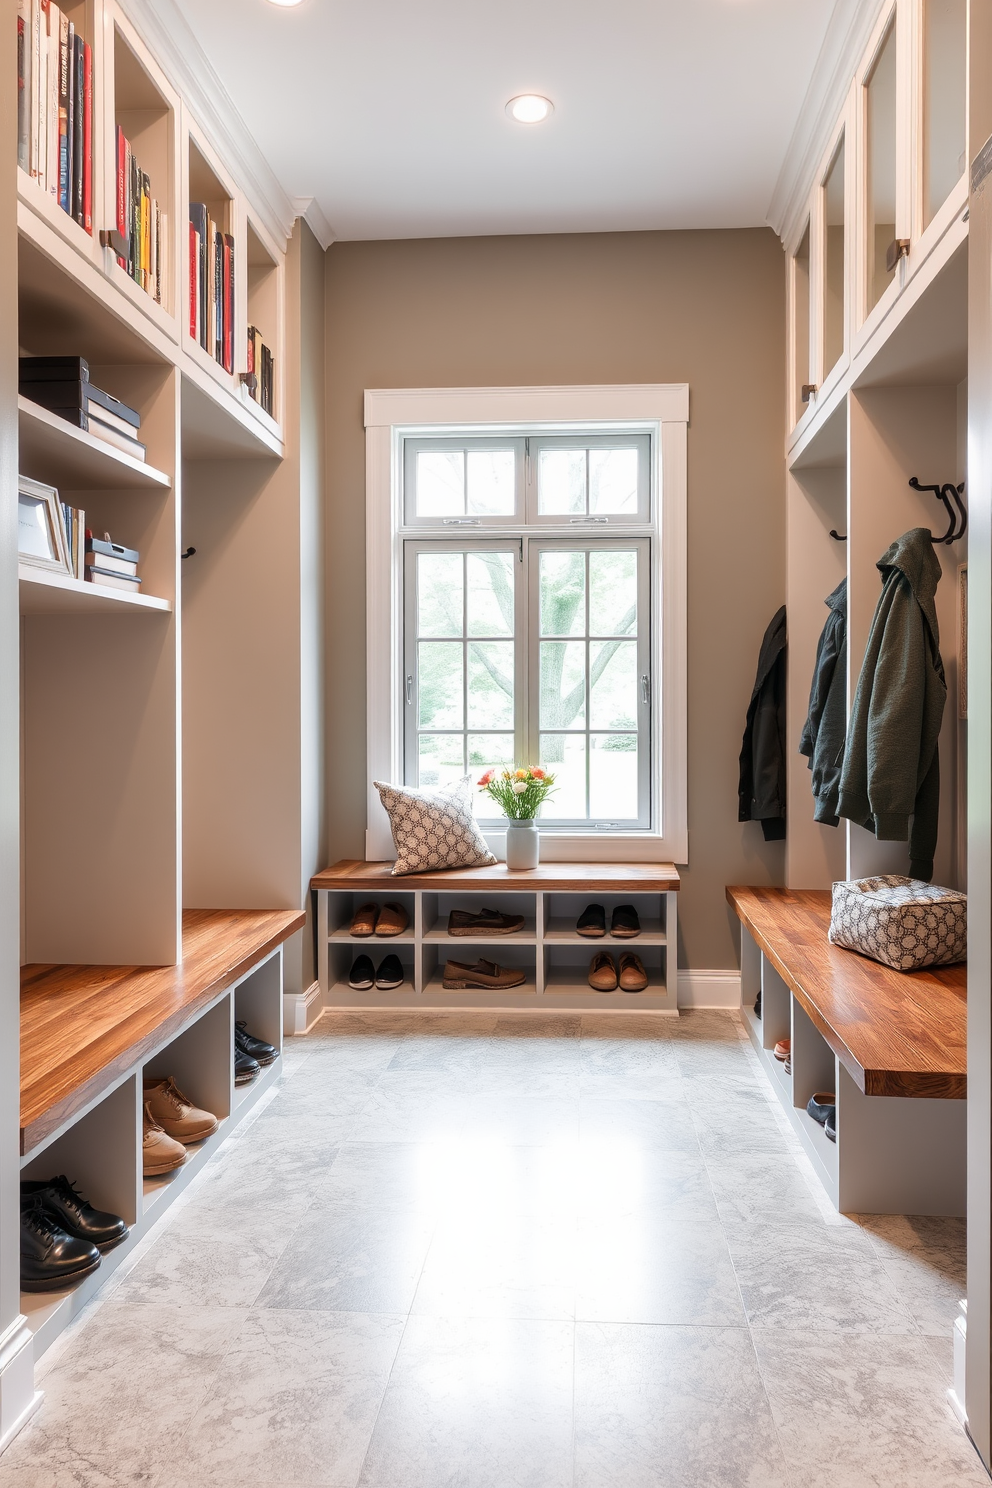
(517, 1252)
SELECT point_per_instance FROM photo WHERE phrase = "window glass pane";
(440, 679)
(439, 594)
(441, 761)
(563, 593)
(881, 102)
(613, 593)
(440, 483)
(833, 308)
(945, 99)
(613, 684)
(491, 483)
(563, 684)
(488, 752)
(490, 684)
(565, 754)
(490, 593)
(613, 480)
(613, 777)
(561, 482)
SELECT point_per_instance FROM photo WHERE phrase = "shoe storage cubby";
(548, 948)
(98, 1147)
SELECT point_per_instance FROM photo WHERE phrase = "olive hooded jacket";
(891, 772)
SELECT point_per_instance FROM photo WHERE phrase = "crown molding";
(847, 35)
(163, 28)
(309, 208)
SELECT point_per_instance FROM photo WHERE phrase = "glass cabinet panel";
(800, 328)
(944, 100)
(880, 116)
(833, 276)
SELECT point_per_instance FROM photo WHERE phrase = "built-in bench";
(89, 1034)
(891, 1044)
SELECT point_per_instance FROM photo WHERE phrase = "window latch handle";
(645, 688)
(584, 521)
(409, 688)
(460, 521)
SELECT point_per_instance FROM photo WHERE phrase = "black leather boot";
(73, 1214)
(255, 1048)
(51, 1260)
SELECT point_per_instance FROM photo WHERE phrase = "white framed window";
(526, 603)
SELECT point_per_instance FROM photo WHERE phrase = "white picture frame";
(41, 541)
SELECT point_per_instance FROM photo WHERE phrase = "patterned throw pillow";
(901, 922)
(434, 828)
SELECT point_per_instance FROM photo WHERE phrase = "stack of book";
(109, 564)
(141, 223)
(211, 286)
(62, 385)
(260, 361)
(74, 522)
(55, 107)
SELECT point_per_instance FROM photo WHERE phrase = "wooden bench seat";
(896, 1033)
(83, 1026)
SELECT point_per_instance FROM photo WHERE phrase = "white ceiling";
(390, 113)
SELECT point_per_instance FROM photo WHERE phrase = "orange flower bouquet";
(520, 794)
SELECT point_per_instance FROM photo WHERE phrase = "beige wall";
(706, 308)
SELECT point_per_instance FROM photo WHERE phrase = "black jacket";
(762, 782)
(826, 727)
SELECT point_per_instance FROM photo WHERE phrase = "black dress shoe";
(830, 1125)
(256, 1048)
(757, 1003)
(592, 921)
(390, 974)
(246, 1069)
(362, 976)
(74, 1215)
(51, 1260)
(820, 1104)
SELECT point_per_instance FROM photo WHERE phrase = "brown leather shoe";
(393, 920)
(483, 974)
(177, 1116)
(159, 1153)
(633, 977)
(483, 922)
(363, 920)
(603, 972)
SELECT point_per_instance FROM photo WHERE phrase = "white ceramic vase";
(523, 842)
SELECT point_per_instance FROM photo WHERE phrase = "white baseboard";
(709, 989)
(300, 1010)
(18, 1398)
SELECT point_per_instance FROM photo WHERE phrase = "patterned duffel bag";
(902, 922)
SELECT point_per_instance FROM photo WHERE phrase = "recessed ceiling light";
(529, 108)
(286, 3)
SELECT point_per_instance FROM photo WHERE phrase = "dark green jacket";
(891, 772)
(826, 726)
(761, 789)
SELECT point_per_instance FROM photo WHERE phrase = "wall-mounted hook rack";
(950, 496)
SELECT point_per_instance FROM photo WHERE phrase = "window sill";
(596, 847)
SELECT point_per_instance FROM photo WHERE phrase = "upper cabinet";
(886, 208)
(121, 193)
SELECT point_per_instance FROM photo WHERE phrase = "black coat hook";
(838, 536)
(188, 553)
(957, 512)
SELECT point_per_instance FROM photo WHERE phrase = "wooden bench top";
(564, 878)
(895, 1032)
(83, 1026)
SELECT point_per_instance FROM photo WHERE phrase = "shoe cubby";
(343, 954)
(346, 906)
(258, 1004)
(201, 1061)
(554, 957)
(437, 907)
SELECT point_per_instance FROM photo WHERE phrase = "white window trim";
(391, 413)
